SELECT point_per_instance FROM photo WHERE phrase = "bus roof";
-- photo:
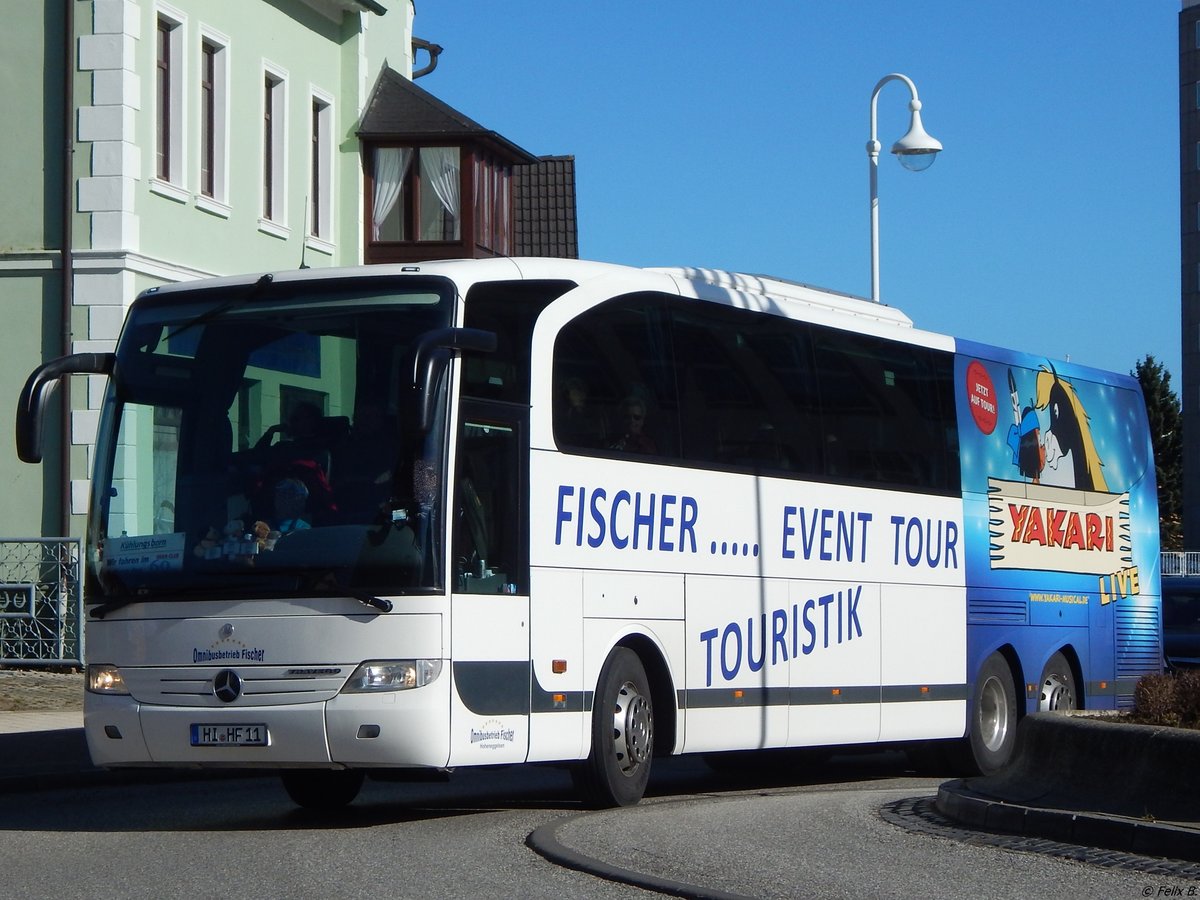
(469, 271)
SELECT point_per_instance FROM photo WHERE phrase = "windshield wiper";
(220, 309)
(380, 603)
(99, 612)
(121, 595)
(144, 594)
(326, 585)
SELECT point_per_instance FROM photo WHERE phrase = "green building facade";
(150, 142)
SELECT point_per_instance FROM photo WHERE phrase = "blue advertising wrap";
(1059, 500)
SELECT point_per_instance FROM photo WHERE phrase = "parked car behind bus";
(1181, 622)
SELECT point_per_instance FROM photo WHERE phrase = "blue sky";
(732, 135)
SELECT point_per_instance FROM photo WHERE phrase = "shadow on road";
(242, 802)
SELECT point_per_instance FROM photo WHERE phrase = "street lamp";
(916, 151)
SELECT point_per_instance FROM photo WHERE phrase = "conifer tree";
(1166, 435)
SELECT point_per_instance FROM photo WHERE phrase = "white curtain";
(391, 165)
(439, 171)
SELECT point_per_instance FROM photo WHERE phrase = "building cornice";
(98, 261)
(30, 261)
(334, 9)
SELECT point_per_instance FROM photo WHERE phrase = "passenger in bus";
(299, 433)
(634, 438)
(577, 422)
(305, 454)
(298, 439)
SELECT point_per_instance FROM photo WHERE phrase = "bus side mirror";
(430, 359)
(32, 402)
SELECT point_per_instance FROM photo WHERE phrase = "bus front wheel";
(993, 734)
(322, 789)
(618, 767)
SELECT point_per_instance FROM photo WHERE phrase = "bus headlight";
(105, 679)
(392, 675)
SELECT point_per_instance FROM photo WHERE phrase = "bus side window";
(486, 507)
(747, 394)
(887, 410)
(621, 352)
(509, 310)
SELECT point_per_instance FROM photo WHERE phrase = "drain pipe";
(434, 51)
(68, 259)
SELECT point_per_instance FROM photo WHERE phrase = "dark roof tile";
(399, 110)
(544, 208)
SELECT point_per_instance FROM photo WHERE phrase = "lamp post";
(916, 151)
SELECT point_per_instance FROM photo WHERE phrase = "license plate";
(229, 735)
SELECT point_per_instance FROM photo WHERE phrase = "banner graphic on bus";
(1052, 477)
(1040, 527)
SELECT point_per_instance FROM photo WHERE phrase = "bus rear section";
(1062, 565)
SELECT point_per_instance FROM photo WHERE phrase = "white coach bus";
(502, 511)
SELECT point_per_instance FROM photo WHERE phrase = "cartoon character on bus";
(1064, 452)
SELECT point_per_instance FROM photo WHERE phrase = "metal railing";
(41, 604)
(1181, 562)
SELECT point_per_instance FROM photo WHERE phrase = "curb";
(1146, 838)
(544, 841)
(1084, 780)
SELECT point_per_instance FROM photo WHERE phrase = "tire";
(323, 789)
(618, 767)
(1058, 692)
(988, 746)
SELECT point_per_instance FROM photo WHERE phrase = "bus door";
(489, 643)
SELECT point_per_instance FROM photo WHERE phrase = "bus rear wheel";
(1058, 686)
(618, 768)
(322, 789)
(989, 745)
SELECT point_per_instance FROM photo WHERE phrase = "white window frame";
(274, 148)
(322, 206)
(173, 184)
(218, 203)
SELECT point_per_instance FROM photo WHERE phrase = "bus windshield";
(262, 441)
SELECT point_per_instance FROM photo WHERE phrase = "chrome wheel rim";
(633, 728)
(993, 714)
(1057, 694)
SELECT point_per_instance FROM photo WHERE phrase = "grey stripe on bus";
(510, 688)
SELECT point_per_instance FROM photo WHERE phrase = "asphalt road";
(468, 838)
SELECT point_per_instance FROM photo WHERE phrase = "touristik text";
(770, 639)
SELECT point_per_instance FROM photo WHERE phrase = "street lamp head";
(917, 150)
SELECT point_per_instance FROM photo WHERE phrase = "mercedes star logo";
(227, 685)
